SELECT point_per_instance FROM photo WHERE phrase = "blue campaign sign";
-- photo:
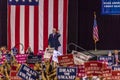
(26, 73)
(110, 7)
(116, 68)
(66, 73)
(109, 59)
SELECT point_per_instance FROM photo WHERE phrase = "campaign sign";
(13, 76)
(66, 73)
(8, 57)
(107, 73)
(116, 68)
(55, 55)
(21, 58)
(26, 73)
(109, 59)
(93, 68)
(80, 58)
(66, 60)
(80, 71)
(34, 58)
(48, 53)
(41, 52)
(115, 75)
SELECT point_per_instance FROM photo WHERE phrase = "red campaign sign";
(81, 71)
(107, 73)
(66, 60)
(21, 58)
(13, 76)
(115, 75)
(93, 68)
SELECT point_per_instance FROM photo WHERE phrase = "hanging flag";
(31, 21)
(95, 30)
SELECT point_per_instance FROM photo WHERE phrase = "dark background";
(3, 22)
(80, 25)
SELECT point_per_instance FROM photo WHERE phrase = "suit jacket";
(115, 58)
(54, 40)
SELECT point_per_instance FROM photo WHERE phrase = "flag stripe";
(36, 29)
(95, 31)
(41, 8)
(65, 18)
(55, 23)
(17, 27)
(9, 30)
(31, 27)
(60, 22)
(22, 18)
(12, 26)
(45, 23)
(50, 16)
(26, 37)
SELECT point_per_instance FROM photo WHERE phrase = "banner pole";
(95, 46)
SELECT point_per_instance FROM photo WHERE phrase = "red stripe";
(26, 37)
(17, 27)
(9, 30)
(35, 29)
(45, 34)
(65, 18)
(55, 12)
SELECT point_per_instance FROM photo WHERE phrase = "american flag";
(95, 30)
(31, 21)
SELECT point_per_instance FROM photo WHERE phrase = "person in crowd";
(37, 67)
(5, 70)
(116, 57)
(6, 66)
(15, 65)
(53, 40)
(29, 51)
(14, 51)
(48, 71)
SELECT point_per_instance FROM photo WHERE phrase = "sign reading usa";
(66, 73)
(26, 73)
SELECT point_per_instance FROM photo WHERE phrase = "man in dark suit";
(116, 57)
(53, 40)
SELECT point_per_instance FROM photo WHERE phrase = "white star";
(30, 0)
(10, 0)
(17, 0)
(36, 0)
(23, 0)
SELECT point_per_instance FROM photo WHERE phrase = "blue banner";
(26, 73)
(66, 73)
(109, 59)
(23, 2)
(110, 7)
(116, 68)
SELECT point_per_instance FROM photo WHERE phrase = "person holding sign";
(53, 40)
(116, 56)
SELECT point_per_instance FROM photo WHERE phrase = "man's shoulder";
(50, 34)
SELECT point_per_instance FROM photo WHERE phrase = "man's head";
(116, 51)
(54, 30)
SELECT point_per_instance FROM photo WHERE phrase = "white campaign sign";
(48, 53)
(80, 58)
(55, 55)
